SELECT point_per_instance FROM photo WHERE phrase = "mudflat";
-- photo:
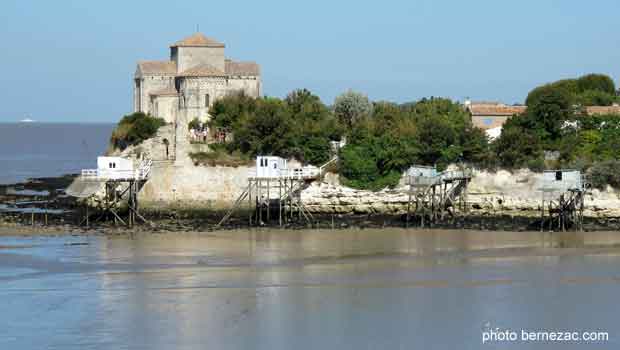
(304, 289)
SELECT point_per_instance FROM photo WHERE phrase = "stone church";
(183, 88)
(186, 86)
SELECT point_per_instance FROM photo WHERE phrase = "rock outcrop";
(500, 193)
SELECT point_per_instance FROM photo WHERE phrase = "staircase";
(144, 169)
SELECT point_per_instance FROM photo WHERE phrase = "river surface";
(349, 289)
(30, 150)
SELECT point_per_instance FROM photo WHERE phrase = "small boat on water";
(27, 120)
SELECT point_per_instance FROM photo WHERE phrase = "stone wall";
(250, 85)
(166, 107)
(150, 84)
(193, 187)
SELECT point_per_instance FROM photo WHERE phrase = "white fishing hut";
(270, 167)
(563, 199)
(420, 175)
(562, 181)
(118, 168)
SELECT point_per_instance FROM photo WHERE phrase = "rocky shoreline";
(501, 201)
(189, 222)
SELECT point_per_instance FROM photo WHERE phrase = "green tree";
(232, 109)
(475, 147)
(595, 98)
(430, 131)
(386, 115)
(438, 141)
(133, 129)
(547, 114)
(443, 131)
(596, 82)
(352, 106)
(267, 131)
(517, 147)
(314, 128)
(588, 90)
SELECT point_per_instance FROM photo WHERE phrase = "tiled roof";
(157, 67)
(599, 110)
(489, 109)
(242, 68)
(202, 70)
(197, 40)
(165, 92)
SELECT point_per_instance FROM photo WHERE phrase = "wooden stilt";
(268, 201)
(250, 207)
(408, 207)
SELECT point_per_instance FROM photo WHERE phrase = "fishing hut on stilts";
(433, 195)
(563, 196)
(121, 181)
(273, 193)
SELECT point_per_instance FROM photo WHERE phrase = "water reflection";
(301, 289)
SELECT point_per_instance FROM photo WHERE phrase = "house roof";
(202, 70)
(600, 110)
(156, 68)
(495, 109)
(242, 68)
(198, 40)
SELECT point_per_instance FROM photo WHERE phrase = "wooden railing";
(297, 173)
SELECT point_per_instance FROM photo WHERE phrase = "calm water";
(368, 289)
(39, 150)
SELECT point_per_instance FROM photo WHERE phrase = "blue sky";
(74, 60)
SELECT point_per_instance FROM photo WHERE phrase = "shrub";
(536, 165)
(219, 156)
(605, 173)
(360, 170)
(133, 129)
(194, 124)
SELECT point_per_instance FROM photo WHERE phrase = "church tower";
(196, 50)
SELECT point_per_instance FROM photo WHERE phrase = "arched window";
(207, 100)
